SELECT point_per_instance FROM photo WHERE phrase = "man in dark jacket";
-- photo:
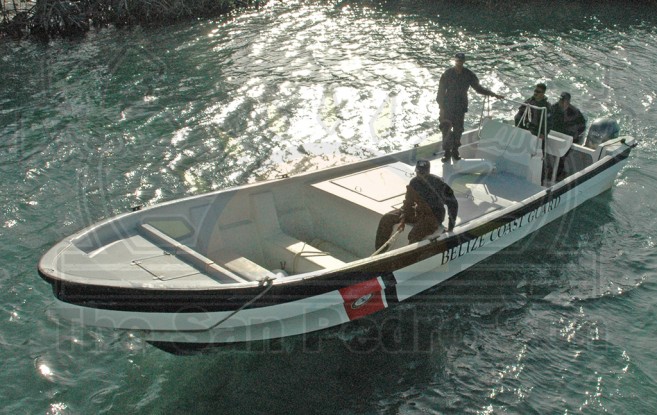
(568, 119)
(424, 207)
(453, 101)
(530, 119)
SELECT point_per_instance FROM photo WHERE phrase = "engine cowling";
(601, 130)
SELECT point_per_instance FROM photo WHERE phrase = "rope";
(527, 115)
(481, 117)
(388, 242)
(295, 260)
(267, 282)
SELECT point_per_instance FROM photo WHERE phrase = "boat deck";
(133, 261)
(310, 223)
(383, 188)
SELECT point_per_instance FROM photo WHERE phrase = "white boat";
(294, 255)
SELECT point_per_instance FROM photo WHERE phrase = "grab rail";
(542, 124)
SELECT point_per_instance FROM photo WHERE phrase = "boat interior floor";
(329, 224)
(309, 223)
(383, 188)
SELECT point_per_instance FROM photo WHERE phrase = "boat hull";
(185, 320)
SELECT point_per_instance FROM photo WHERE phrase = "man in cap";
(531, 119)
(537, 121)
(424, 207)
(452, 99)
(568, 119)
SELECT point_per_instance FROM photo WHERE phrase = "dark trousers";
(561, 173)
(422, 226)
(452, 127)
(548, 164)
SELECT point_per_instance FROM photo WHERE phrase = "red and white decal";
(364, 298)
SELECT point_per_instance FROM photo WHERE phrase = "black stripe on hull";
(229, 299)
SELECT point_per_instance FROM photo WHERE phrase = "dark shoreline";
(46, 19)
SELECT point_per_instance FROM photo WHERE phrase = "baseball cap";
(423, 166)
(565, 95)
(460, 56)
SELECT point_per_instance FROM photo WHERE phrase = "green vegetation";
(44, 19)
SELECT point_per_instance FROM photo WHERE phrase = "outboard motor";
(601, 130)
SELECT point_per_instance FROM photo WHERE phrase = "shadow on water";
(347, 368)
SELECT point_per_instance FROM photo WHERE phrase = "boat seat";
(512, 149)
(242, 266)
(185, 253)
(336, 251)
(469, 167)
(282, 250)
(557, 146)
(296, 256)
(474, 166)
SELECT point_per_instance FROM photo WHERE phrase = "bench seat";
(296, 256)
(242, 266)
(282, 250)
(512, 150)
(187, 254)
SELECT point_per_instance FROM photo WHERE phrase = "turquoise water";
(563, 322)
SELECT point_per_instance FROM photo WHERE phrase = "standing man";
(568, 119)
(424, 207)
(453, 101)
(532, 120)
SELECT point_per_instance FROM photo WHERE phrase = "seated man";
(424, 207)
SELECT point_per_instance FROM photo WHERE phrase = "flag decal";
(361, 301)
(364, 298)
